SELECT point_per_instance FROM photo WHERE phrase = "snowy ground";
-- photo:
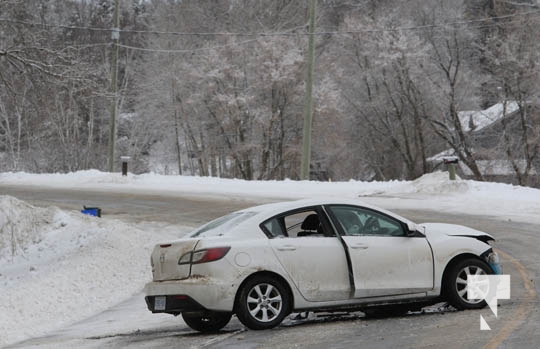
(58, 267)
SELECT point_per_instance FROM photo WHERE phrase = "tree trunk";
(177, 142)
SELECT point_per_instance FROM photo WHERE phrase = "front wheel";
(455, 287)
(263, 303)
(210, 322)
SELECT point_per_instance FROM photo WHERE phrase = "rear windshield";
(222, 225)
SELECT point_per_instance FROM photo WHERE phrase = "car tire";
(263, 303)
(209, 322)
(455, 286)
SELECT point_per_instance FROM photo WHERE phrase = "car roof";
(291, 205)
(269, 210)
(260, 213)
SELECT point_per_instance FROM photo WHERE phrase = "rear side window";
(222, 225)
(306, 223)
(297, 224)
(273, 227)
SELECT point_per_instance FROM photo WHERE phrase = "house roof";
(484, 118)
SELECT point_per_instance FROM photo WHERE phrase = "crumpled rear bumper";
(191, 294)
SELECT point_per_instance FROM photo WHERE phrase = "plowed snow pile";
(58, 267)
(432, 183)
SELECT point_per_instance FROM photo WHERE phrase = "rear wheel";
(455, 287)
(209, 322)
(263, 303)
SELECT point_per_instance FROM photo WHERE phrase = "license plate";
(159, 303)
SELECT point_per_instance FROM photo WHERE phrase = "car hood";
(438, 229)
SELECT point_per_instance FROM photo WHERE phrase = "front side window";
(359, 221)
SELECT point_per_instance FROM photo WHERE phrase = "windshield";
(222, 225)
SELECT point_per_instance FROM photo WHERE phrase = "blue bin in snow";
(92, 211)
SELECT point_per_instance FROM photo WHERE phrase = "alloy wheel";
(480, 279)
(264, 302)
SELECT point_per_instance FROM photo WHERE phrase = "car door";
(385, 260)
(314, 259)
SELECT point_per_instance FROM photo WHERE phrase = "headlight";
(495, 263)
(493, 257)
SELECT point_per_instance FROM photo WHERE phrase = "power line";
(62, 47)
(481, 23)
(156, 32)
(62, 26)
(290, 32)
(186, 50)
(240, 43)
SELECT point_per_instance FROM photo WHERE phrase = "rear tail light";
(204, 256)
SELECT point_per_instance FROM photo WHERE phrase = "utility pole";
(115, 35)
(308, 107)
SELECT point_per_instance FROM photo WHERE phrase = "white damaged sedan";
(264, 262)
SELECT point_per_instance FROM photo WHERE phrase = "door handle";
(359, 246)
(286, 248)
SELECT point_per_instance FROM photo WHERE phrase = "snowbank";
(21, 226)
(436, 192)
(58, 267)
(432, 191)
(172, 185)
(220, 187)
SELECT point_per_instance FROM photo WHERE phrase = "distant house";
(486, 129)
(498, 168)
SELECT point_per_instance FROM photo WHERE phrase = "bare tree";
(513, 58)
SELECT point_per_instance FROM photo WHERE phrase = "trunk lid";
(165, 257)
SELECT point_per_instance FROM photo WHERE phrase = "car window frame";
(323, 216)
(342, 232)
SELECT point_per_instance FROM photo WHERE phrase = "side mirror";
(411, 228)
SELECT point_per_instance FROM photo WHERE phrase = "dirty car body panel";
(264, 262)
